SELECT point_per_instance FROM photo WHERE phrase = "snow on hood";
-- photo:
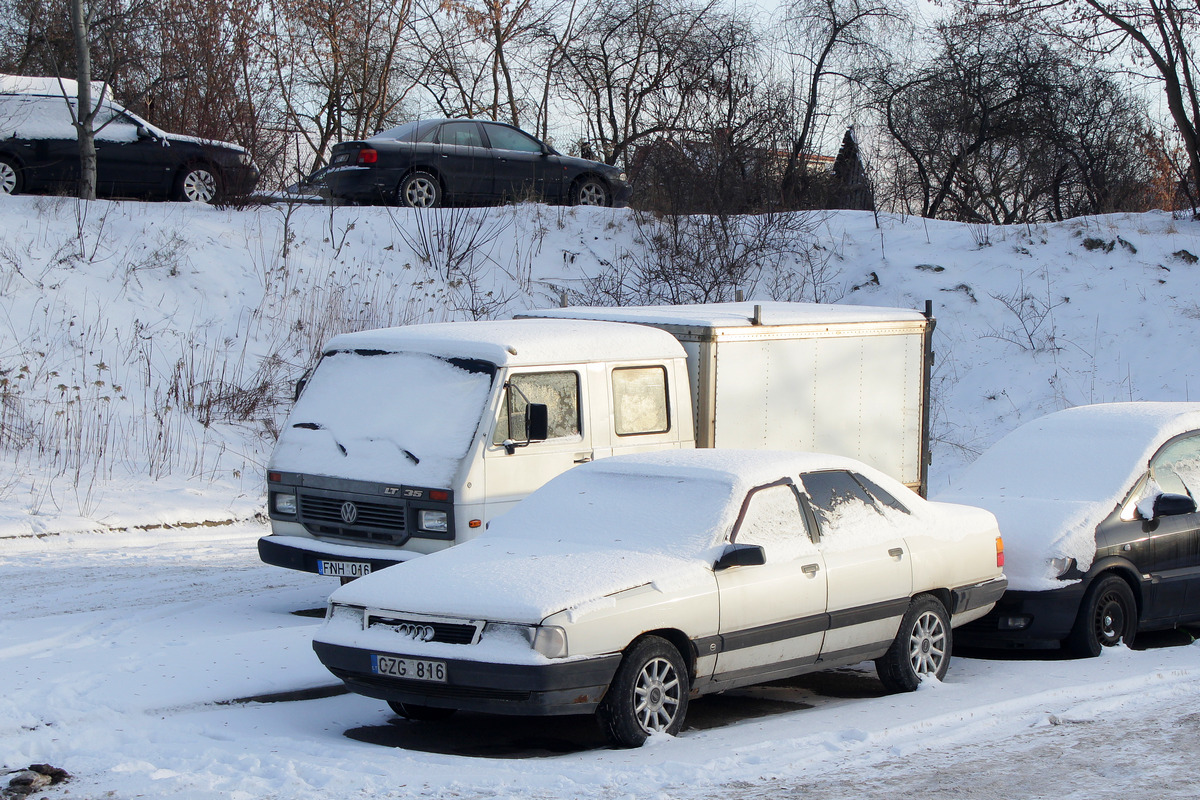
(1052, 481)
(593, 531)
(405, 418)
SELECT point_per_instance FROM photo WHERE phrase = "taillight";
(999, 551)
(368, 156)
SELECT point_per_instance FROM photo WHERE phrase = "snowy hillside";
(147, 350)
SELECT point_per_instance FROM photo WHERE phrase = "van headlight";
(432, 521)
(285, 504)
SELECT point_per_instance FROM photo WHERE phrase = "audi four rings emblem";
(422, 633)
(349, 513)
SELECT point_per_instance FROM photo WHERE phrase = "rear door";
(464, 162)
(869, 568)
(772, 615)
(1175, 539)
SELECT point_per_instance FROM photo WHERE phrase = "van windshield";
(403, 418)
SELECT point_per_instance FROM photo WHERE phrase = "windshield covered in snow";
(381, 416)
(650, 513)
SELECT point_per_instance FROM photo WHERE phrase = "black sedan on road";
(464, 162)
(1097, 506)
(39, 151)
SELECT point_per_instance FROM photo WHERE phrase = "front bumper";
(295, 552)
(556, 688)
(1025, 620)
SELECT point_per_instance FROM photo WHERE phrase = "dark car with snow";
(438, 162)
(39, 151)
(629, 585)
(1098, 511)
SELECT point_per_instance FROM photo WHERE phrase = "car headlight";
(433, 521)
(548, 640)
(1061, 566)
(285, 504)
(622, 178)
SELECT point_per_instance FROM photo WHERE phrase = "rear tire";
(418, 713)
(922, 647)
(648, 694)
(420, 190)
(11, 181)
(1107, 616)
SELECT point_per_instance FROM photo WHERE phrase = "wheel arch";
(411, 168)
(677, 639)
(943, 596)
(1123, 570)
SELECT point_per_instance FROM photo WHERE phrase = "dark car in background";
(464, 162)
(39, 151)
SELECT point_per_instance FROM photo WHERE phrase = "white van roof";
(736, 315)
(520, 342)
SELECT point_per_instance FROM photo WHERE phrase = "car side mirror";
(741, 555)
(1172, 505)
(144, 133)
(537, 422)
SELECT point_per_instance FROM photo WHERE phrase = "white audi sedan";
(627, 586)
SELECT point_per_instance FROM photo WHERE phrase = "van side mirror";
(537, 422)
(741, 555)
(1171, 505)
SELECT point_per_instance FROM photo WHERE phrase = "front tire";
(10, 177)
(922, 647)
(419, 713)
(197, 184)
(589, 192)
(1107, 616)
(420, 190)
(648, 694)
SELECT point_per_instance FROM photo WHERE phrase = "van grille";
(373, 521)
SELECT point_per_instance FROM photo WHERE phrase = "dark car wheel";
(10, 177)
(922, 647)
(197, 184)
(420, 190)
(648, 694)
(589, 192)
(420, 713)
(1107, 616)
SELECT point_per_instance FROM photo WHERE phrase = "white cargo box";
(849, 380)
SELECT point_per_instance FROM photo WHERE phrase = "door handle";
(583, 458)
(810, 569)
(896, 552)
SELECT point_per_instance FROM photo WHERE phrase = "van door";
(515, 466)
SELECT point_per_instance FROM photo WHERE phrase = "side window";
(460, 133)
(1176, 467)
(882, 496)
(503, 138)
(772, 518)
(640, 400)
(839, 502)
(558, 391)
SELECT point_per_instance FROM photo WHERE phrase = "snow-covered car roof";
(1051, 481)
(519, 342)
(54, 87)
(737, 315)
(658, 519)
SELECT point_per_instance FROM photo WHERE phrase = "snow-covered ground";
(135, 342)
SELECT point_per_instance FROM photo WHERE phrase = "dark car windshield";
(417, 131)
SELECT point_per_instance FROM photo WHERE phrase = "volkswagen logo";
(420, 633)
(349, 513)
